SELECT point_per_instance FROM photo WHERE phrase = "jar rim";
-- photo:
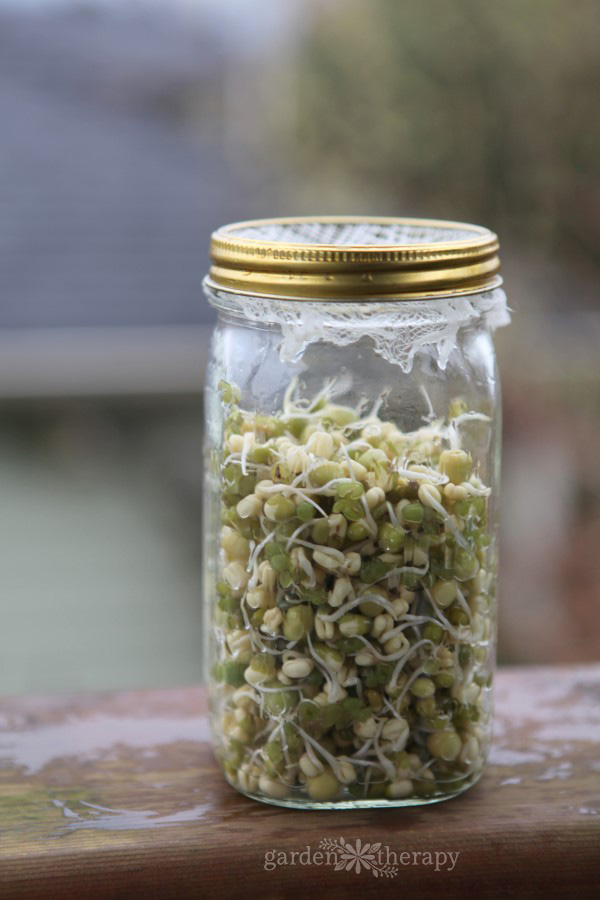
(353, 258)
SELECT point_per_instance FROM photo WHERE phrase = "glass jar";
(352, 489)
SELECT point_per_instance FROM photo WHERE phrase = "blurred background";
(128, 132)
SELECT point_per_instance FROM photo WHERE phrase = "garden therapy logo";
(359, 857)
(373, 858)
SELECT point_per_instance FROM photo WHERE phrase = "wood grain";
(117, 795)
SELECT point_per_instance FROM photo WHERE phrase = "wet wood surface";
(117, 795)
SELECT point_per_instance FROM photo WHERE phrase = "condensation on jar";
(352, 483)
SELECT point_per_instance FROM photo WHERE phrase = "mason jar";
(352, 493)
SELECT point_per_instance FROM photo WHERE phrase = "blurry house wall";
(112, 176)
(129, 130)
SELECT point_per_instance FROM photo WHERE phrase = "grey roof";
(107, 197)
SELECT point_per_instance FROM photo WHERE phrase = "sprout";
(329, 657)
(349, 490)
(279, 509)
(358, 531)
(298, 622)
(413, 514)
(456, 464)
(297, 668)
(304, 511)
(321, 444)
(444, 593)
(444, 745)
(324, 473)
(390, 538)
(352, 625)
(353, 603)
(375, 496)
(423, 687)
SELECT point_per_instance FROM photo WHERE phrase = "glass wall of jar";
(352, 459)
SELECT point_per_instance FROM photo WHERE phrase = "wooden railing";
(117, 795)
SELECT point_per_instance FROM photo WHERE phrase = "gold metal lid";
(353, 258)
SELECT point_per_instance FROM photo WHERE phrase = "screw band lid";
(353, 258)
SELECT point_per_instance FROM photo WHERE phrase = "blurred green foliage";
(467, 110)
